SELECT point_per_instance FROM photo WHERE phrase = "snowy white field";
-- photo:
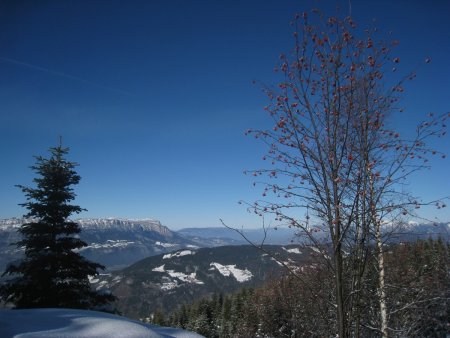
(68, 323)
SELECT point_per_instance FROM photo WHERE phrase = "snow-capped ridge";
(148, 224)
(123, 223)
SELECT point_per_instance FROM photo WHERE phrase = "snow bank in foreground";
(67, 323)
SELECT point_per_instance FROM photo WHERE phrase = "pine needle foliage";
(52, 273)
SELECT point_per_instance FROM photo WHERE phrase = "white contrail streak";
(67, 76)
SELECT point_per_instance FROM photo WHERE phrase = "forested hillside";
(418, 295)
(163, 282)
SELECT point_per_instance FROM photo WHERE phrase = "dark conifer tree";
(53, 273)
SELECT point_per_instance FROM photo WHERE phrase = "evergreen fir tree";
(53, 273)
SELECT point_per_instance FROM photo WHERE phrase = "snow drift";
(68, 323)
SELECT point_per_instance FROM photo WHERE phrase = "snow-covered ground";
(121, 243)
(227, 270)
(294, 250)
(165, 245)
(179, 254)
(169, 284)
(68, 323)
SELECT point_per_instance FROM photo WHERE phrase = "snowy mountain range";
(117, 243)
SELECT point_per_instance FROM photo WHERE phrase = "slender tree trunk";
(357, 280)
(381, 286)
(340, 299)
(380, 260)
(340, 292)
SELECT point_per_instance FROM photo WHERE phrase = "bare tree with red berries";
(334, 156)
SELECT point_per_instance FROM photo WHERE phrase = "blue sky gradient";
(153, 97)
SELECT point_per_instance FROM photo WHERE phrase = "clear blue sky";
(153, 97)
